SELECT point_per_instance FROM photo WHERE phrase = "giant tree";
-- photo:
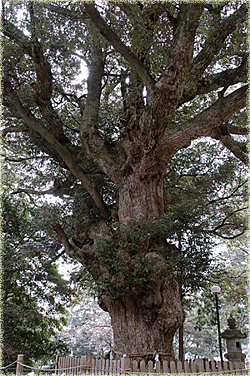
(160, 75)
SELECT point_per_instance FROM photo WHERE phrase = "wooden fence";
(86, 364)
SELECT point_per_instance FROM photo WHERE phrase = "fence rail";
(86, 364)
(90, 366)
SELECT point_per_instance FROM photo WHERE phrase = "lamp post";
(215, 290)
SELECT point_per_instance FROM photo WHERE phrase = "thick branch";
(119, 46)
(173, 79)
(213, 82)
(36, 138)
(81, 254)
(214, 43)
(67, 156)
(236, 73)
(90, 136)
(203, 124)
(12, 32)
(43, 87)
(63, 239)
(235, 129)
(222, 134)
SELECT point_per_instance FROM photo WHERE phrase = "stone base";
(235, 357)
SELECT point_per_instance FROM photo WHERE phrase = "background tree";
(34, 294)
(161, 75)
(208, 204)
(88, 330)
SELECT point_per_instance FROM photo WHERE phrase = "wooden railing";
(86, 364)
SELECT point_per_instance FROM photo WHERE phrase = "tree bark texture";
(146, 325)
(146, 317)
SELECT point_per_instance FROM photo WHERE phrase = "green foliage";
(230, 272)
(125, 257)
(204, 188)
(126, 271)
(34, 294)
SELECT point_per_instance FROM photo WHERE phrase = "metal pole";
(218, 322)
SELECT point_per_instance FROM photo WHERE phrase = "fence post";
(19, 365)
(56, 364)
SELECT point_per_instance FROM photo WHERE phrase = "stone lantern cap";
(232, 332)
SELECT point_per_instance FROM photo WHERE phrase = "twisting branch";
(43, 86)
(68, 97)
(63, 239)
(212, 82)
(173, 77)
(228, 196)
(224, 223)
(203, 123)
(214, 44)
(222, 134)
(231, 237)
(17, 160)
(81, 254)
(119, 46)
(236, 73)
(67, 156)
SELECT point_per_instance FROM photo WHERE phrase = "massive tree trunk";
(145, 322)
(137, 285)
(146, 316)
(140, 197)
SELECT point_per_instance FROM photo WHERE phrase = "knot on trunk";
(159, 264)
(155, 297)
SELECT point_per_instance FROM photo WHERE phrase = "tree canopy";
(34, 294)
(163, 79)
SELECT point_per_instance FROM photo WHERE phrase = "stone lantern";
(233, 337)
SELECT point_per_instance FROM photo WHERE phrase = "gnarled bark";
(146, 324)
